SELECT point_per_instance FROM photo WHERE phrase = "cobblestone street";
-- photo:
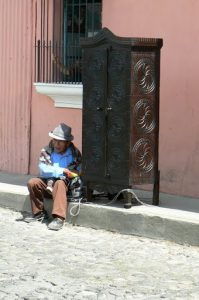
(82, 263)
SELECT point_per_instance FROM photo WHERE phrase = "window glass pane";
(94, 19)
(82, 17)
(84, 2)
(76, 18)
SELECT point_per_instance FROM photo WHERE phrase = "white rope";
(129, 191)
(77, 207)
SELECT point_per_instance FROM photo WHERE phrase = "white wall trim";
(63, 95)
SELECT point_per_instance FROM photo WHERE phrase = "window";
(58, 59)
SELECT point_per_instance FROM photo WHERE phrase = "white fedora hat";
(62, 133)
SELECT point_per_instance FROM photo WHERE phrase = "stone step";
(146, 220)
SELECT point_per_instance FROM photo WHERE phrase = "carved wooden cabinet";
(120, 112)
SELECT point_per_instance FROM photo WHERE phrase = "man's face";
(60, 146)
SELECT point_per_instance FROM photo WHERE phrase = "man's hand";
(69, 173)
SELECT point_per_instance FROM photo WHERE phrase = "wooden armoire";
(120, 112)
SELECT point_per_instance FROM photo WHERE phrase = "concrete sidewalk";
(175, 219)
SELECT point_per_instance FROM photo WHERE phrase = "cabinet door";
(94, 101)
(118, 115)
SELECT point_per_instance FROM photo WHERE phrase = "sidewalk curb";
(150, 221)
(146, 221)
(14, 197)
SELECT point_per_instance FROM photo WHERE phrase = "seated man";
(59, 162)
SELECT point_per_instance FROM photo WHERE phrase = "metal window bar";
(92, 16)
(50, 67)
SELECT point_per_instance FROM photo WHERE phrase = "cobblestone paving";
(81, 263)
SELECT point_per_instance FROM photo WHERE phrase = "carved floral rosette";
(144, 124)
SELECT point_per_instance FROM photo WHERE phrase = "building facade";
(41, 77)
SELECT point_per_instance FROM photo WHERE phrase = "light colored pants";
(37, 190)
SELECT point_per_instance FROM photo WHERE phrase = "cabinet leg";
(127, 199)
(156, 189)
(89, 193)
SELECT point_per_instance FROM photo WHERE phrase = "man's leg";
(36, 187)
(59, 195)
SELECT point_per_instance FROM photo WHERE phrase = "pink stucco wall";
(15, 84)
(177, 23)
